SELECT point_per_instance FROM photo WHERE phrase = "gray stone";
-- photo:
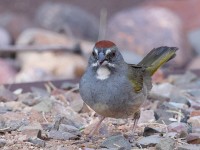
(6, 95)
(189, 147)
(44, 106)
(117, 141)
(149, 140)
(2, 142)
(150, 131)
(3, 109)
(68, 120)
(58, 17)
(166, 144)
(29, 99)
(59, 135)
(163, 115)
(36, 141)
(69, 128)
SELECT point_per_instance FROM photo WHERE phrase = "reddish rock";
(193, 138)
(195, 113)
(142, 29)
(177, 127)
(7, 72)
(188, 11)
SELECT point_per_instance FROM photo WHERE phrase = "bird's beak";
(101, 58)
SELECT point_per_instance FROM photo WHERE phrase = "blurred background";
(50, 40)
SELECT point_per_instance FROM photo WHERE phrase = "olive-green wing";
(136, 76)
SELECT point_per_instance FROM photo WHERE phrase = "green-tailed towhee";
(113, 88)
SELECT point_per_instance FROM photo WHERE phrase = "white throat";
(103, 73)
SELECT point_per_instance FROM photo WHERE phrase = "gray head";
(105, 53)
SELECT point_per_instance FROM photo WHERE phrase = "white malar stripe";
(95, 64)
(103, 73)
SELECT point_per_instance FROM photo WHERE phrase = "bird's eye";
(94, 54)
(113, 54)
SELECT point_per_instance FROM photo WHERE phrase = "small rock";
(36, 141)
(188, 147)
(39, 92)
(2, 142)
(70, 119)
(149, 131)
(193, 138)
(32, 130)
(44, 106)
(117, 141)
(6, 95)
(46, 126)
(29, 99)
(149, 141)
(76, 101)
(166, 144)
(13, 125)
(177, 127)
(68, 128)
(146, 116)
(163, 115)
(60, 135)
(195, 121)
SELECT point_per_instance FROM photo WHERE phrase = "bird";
(116, 89)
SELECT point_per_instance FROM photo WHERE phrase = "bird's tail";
(157, 57)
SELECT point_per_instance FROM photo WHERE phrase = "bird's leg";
(96, 127)
(136, 118)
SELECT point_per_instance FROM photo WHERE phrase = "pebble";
(6, 95)
(69, 128)
(166, 144)
(60, 135)
(149, 141)
(117, 141)
(29, 99)
(36, 141)
(2, 142)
